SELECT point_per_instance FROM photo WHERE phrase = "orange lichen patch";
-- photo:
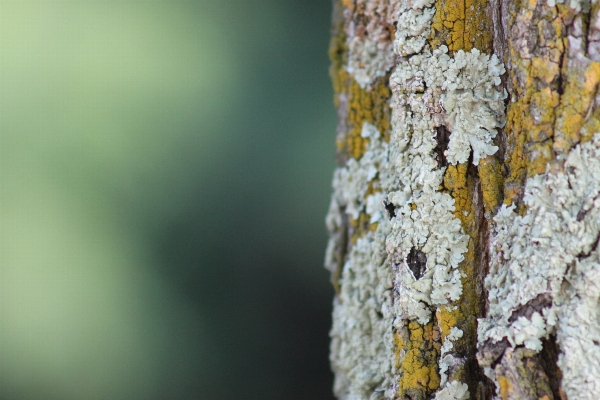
(366, 106)
(517, 163)
(361, 226)
(338, 53)
(399, 345)
(540, 154)
(591, 126)
(360, 105)
(461, 25)
(417, 356)
(505, 387)
(462, 183)
(540, 126)
(545, 68)
(492, 183)
(576, 101)
(457, 182)
(455, 176)
(447, 318)
(349, 4)
(535, 77)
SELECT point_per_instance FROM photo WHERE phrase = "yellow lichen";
(540, 154)
(461, 181)
(532, 123)
(362, 105)
(366, 106)
(417, 356)
(361, 226)
(591, 126)
(505, 387)
(492, 183)
(464, 25)
(576, 102)
(461, 25)
(447, 319)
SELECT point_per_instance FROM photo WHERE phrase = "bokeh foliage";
(164, 175)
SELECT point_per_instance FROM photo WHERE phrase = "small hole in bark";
(390, 209)
(417, 262)
(440, 151)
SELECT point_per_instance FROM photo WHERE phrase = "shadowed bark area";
(551, 55)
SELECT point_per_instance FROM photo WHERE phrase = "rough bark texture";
(466, 209)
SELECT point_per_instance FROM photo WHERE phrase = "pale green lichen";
(351, 183)
(453, 391)
(361, 337)
(370, 40)
(466, 86)
(552, 251)
(385, 343)
(424, 216)
(474, 105)
(414, 25)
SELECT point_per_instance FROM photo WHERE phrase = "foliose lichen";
(552, 253)
(362, 339)
(388, 337)
(369, 39)
(467, 87)
(453, 391)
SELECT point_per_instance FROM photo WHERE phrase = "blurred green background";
(165, 173)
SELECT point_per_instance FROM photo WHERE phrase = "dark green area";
(221, 187)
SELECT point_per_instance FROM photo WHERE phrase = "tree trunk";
(465, 216)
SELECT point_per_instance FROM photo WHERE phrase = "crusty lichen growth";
(545, 273)
(366, 106)
(520, 376)
(420, 182)
(491, 173)
(356, 104)
(419, 357)
(362, 333)
(465, 187)
(553, 85)
(404, 170)
(370, 35)
(461, 25)
(535, 53)
(553, 80)
(464, 25)
(425, 89)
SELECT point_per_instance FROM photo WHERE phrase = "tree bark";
(465, 219)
